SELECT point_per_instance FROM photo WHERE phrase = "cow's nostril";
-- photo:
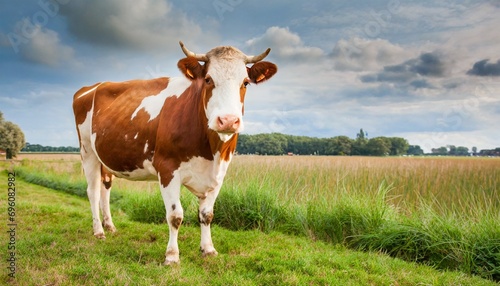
(220, 122)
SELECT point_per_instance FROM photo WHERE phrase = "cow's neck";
(225, 149)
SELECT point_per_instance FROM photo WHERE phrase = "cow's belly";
(202, 176)
(146, 173)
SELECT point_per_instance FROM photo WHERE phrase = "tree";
(340, 145)
(452, 150)
(399, 146)
(462, 151)
(358, 147)
(11, 138)
(378, 146)
(440, 151)
(415, 150)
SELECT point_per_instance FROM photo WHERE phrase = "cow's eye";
(208, 80)
(246, 82)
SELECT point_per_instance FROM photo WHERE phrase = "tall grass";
(443, 212)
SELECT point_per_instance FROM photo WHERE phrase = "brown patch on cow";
(116, 126)
(205, 217)
(106, 177)
(173, 207)
(176, 222)
(171, 252)
(243, 90)
(226, 149)
(82, 105)
(107, 185)
(184, 132)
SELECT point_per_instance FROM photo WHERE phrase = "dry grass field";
(448, 184)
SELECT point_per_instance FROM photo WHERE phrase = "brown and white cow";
(179, 130)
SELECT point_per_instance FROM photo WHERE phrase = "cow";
(177, 130)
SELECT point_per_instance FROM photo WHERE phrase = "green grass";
(56, 247)
(440, 212)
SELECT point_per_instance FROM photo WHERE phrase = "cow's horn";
(188, 53)
(254, 59)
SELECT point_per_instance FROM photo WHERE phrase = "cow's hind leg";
(106, 180)
(92, 169)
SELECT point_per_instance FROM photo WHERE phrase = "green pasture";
(281, 220)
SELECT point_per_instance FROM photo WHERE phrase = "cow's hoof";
(171, 257)
(169, 262)
(100, 235)
(109, 227)
(209, 253)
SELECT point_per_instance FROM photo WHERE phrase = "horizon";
(352, 138)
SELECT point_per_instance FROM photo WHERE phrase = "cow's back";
(122, 130)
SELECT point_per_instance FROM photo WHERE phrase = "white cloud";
(482, 139)
(45, 47)
(287, 46)
(357, 54)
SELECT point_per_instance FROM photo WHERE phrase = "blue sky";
(428, 71)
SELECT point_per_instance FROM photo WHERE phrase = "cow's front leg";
(170, 191)
(205, 215)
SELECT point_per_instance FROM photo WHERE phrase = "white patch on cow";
(153, 104)
(146, 147)
(136, 134)
(224, 137)
(87, 135)
(202, 176)
(146, 173)
(228, 76)
(89, 91)
(84, 128)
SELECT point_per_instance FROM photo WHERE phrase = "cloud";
(46, 48)
(413, 72)
(428, 64)
(483, 68)
(357, 54)
(286, 45)
(4, 40)
(144, 25)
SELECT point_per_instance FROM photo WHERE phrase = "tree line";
(278, 144)
(40, 148)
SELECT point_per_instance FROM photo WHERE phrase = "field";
(290, 219)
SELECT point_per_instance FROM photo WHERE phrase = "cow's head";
(225, 77)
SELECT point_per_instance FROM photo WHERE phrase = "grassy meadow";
(441, 212)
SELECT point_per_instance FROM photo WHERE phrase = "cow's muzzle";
(228, 124)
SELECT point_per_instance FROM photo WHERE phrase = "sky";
(427, 71)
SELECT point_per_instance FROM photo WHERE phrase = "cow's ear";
(191, 68)
(261, 71)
